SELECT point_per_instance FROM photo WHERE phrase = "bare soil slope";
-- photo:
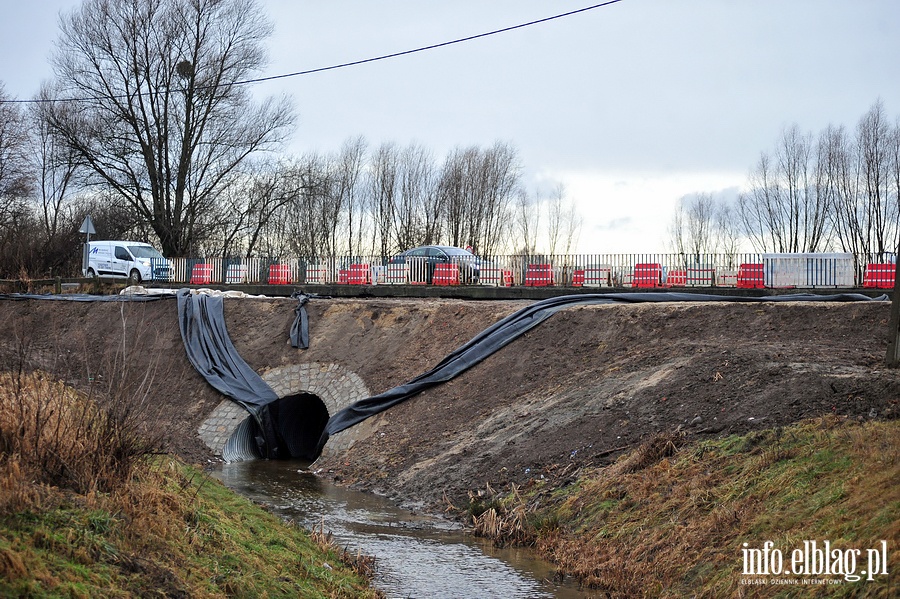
(577, 390)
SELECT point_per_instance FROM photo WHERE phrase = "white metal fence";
(590, 270)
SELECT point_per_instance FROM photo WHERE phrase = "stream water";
(416, 555)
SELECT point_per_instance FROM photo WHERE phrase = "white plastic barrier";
(316, 274)
(808, 270)
(396, 274)
(727, 278)
(418, 270)
(700, 276)
(598, 275)
(236, 274)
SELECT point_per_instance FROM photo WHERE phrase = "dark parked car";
(422, 261)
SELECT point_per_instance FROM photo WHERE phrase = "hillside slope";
(578, 390)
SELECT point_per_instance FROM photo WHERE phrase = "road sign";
(87, 226)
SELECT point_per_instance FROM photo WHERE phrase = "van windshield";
(144, 251)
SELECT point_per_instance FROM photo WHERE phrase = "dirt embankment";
(592, 381)
(576, 390)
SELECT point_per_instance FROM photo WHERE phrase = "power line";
(356, 62)
(431, 47)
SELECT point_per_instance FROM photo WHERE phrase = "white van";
(130, 260)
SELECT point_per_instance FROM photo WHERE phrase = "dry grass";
(52, 435)
(86, 510)
(669, 520)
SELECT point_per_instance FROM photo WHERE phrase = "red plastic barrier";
(578, 278)
(445, 274)
(359, 274)
(676, 278)
(539, 275)
(280, 274)
(343, 276)
(879, 276)
(201, 274)
(751, 276)
(647, 275)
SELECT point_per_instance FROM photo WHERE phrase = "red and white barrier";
(495, 276)
(700, 277)
(727, 278)
(201, 274)
(280, 274)
(539, 275)
(750, 276)
(879, 276)
(316, 274)
(647, 275)
(445, 274)
(578, 277)
(676, 278)
(359, 274)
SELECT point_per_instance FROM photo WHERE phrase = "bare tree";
(572, 221)
(383, 189)
(477, 188)
(728, 238)
(693, 227)
(503, 181)
(874, 141)
(14, 172)
(837, 182)
(416, 187)
(455, 189)
(783, 212)
(153, 105)
(247, 208)
(554, 204)
(528, 220)
(892, 355)
(349, 167)
(55, 165)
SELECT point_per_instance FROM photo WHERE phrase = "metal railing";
(591, 270)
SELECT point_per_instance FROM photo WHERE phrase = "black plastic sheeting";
(508, 329)
(84, 297)
(201, 320)
(300, 326)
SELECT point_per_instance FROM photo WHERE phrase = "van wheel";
(134, 277)
(91, 274)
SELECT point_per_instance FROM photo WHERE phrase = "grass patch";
(74, 525)
(670, 520)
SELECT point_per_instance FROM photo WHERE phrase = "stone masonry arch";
(335, 385)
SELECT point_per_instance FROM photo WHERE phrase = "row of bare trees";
(839, 191)
(379, 201)
(147, 125)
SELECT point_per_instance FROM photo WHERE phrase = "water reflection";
(417, 555)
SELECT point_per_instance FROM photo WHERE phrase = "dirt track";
(574, 391)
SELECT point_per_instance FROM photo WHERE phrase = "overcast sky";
(631, 105)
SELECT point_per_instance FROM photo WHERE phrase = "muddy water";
(416, 555)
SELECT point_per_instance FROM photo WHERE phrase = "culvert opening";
(298, 419)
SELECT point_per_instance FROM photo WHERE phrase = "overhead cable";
(351, 63)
